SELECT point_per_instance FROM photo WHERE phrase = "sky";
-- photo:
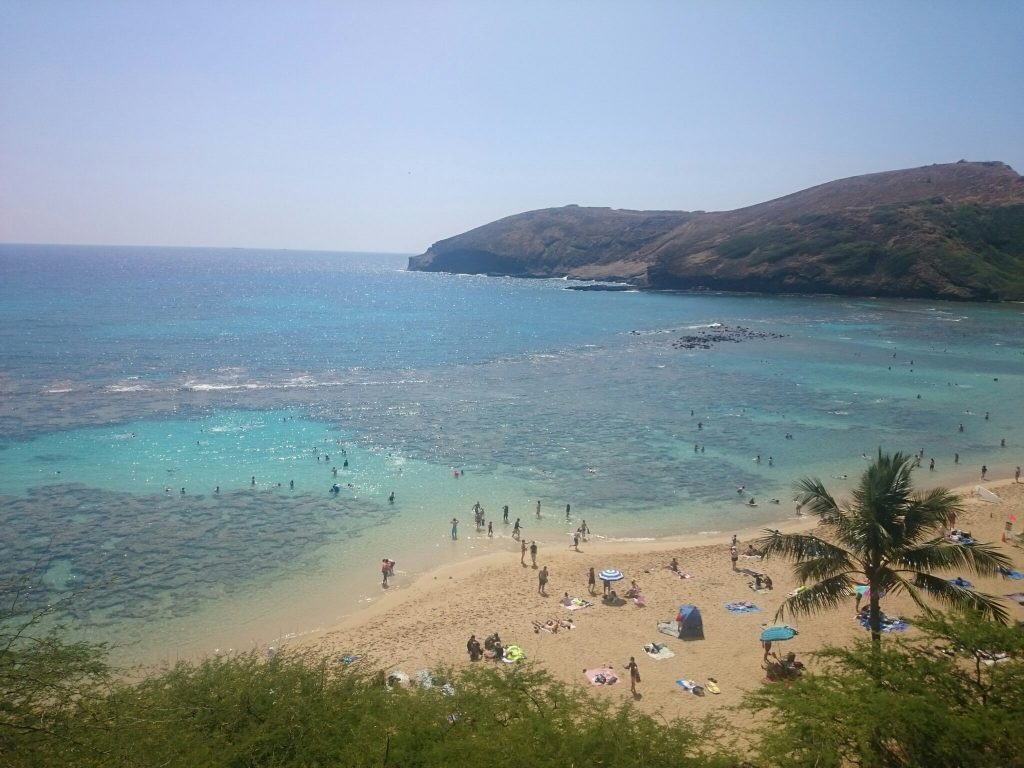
(385, 126)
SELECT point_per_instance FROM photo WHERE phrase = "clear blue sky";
(385, 126)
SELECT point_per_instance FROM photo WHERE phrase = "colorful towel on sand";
(658, 651)
(577, 604)
(1017, 597)
(741, 606)
(692, 686)
(961, 582)
(1015, 575)
(349, 659)
(513, 653)
(798, 590)
(601, 676)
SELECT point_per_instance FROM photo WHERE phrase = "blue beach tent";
(691, 626)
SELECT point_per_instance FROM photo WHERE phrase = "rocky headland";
(951, 231)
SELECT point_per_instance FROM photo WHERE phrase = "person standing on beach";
(490, 530)
(566, 511)
(533, 553)
(591, 582)
(455, 528)
(504, 514)
(584, 530)
(538, 509)
(734, 555)
(542, 581)
(1016, 475)
(984, 471)
(634, 675)
(522, 552)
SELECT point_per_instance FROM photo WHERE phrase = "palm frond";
(929, 512)
(796, 546)
(939, 554)
(824, 595)
(958, 598)
(811, 493)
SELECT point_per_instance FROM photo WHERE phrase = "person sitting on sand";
(566, 600)
(611, 598)
(634, 589)
(767, 581)
(751, 552)
(491, 641)
(674, 565)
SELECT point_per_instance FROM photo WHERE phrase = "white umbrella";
(611, 574)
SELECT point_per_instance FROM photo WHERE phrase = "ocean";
(174, 419)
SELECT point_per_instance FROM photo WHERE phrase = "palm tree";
(889, 535)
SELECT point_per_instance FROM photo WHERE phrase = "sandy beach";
(427, 623)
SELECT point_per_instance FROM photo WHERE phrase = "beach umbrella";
(611, 574)
(773, 634)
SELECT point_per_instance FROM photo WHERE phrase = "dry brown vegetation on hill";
(953, 231)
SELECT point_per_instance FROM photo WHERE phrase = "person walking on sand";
(533, 553)
(634, 675)
(591, 582)
(542, 581)
(575, 541)
(504, 514)
(734, 555)
(1016, 475)
(490, 530)
(455, 528)
(385, 571)
(984, 471)
(516, 530)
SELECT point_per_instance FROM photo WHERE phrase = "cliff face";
(952, 231)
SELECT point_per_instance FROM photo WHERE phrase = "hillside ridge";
(950, 231)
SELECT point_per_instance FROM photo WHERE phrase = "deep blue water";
(136, 381)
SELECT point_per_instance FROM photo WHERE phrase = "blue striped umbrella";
(611, 574)
(778, 633)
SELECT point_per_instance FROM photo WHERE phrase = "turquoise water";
(130, 375)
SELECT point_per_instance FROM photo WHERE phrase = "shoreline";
(425, 625)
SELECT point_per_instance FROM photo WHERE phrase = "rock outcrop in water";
(953, 231)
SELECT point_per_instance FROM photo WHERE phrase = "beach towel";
(640, 601)
(1015, 575)
(349, 659)
(961, 582)
(601, 676)
(741, 607)
(798, 590)
(513, 653)
(577, 604)
(1017, 597)
(692, 686)
(712, 686)
(658, 651)
(670, 628)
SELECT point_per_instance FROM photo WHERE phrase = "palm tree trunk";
(874, 617)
